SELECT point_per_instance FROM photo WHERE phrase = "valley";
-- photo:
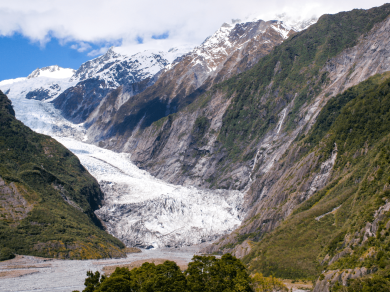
(268, 141)
(138, 209)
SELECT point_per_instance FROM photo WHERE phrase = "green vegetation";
(47, 197)
(267, 284)
(358, 121)
(377, 283)
(6, 254)
(199, 129)
(204, 274)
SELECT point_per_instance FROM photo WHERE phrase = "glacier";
(146, 212)
(138, 209)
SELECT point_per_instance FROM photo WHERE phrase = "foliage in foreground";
(204, 274)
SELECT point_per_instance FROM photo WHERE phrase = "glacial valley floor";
(28, 273)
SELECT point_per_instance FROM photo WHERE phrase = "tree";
(217, 275)
(204, 273)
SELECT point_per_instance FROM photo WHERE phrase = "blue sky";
(20, 56)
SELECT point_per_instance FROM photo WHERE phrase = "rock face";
(351, 242)
(77, 102)
(332, 277)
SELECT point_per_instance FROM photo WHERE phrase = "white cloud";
(101, 22)
(81, 47)
(98, 52)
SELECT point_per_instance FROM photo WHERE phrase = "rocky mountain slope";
(235, 131)
(341, 230)
(47, 197)
(117, 69)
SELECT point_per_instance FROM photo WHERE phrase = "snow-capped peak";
(296, 23)
(42, 84)
(118, 69)
(52, 72)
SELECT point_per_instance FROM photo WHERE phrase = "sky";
(39, 33)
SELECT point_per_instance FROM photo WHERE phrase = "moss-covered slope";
(346, 224)
(47, 197)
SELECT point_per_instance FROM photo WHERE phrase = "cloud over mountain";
(131, 22)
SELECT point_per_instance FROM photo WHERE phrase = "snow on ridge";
(52, 72)
(42, 84)
(116, 68)
(41, 88)
(296, 23)
(282, 29)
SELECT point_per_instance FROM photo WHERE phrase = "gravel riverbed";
(28, 273)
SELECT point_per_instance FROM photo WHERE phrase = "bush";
(6, 254)
(204, 273)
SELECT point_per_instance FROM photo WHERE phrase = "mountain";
(246, 122)
(302, 133)
(96, 78)
(232, 49)
(338, 178)
(295, 108)
(47, 197)
(42, 84)
(117, 69)
(285, 124)
(52, 72)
